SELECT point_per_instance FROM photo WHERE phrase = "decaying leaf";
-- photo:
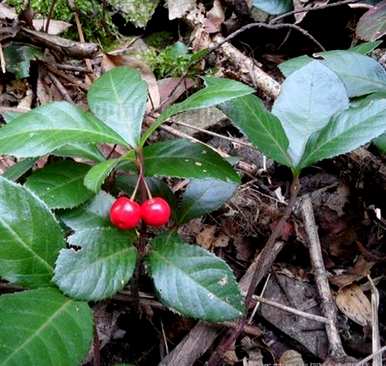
(178, 8)
(291, 358)
(354, 304)
(55, 27)
(214, 18)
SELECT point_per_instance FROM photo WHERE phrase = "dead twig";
(62, 90)
(62, 45)
(317, 318)
(2, 60)
(369, 358)
(310, 8)
(49, 17)
(336, 351)
(376, 339)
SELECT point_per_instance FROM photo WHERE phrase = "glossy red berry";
(155, 211)
(125, 213)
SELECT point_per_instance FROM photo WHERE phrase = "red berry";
(125, 213)
(155, 211)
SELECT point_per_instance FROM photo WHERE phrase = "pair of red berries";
(126, 214)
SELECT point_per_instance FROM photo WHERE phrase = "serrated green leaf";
(360, 74)
(91, 215)
(293, 64)
(98, 173)
(43, 327)
(261, 127)
(118, 98)
(307, 100)
(346, 131)
(193, 281)
(30, 237)
(203, 196)
(273, 7)
(184, 159)
(100, 268)
(217, 91)
(19, 169)
(60, 184)
(85, 151)
(47, 128)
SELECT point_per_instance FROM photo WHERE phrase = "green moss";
(96, 23)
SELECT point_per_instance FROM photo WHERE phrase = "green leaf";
(360, 74)
(273, 7)
(308, 99)
(184, 159)
(293, 64)
(100, 268)
(372, 24)
(19, 169)
(203, 196)
(217, 91)
(91, 215)
(60, 184)
(85, 151)
(346, 131)
(98, 173)
(365, 47)
(18, 58)
(380, 143)
(30, 237)
(193, 281)
(48, 128)
(42, 327)
(262, 128)
(118, 98)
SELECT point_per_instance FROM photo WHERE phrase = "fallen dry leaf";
(352, 302)
(55, 27)
(214, 18)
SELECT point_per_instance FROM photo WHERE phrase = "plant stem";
(232, 336)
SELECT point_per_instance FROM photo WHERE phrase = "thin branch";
(268, 26)
(309, 8)
(336, 350)
(303, 314)
(2, 60)
(368, 358)
(49, 17)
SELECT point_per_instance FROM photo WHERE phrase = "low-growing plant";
(104, 241)
(315, 117)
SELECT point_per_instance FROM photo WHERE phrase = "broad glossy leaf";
(217, 91)
(85, 151)
(118, 98)
(98, 173)
(346, 131)
(30, 237)
(19, 169)
(308, 99)
(360, 74)
(60, 184)
(91, 215)
(293, 64)
(273, 7)
(372, 24)
(261, 127)
(100, 268)
(47, 128)
(203, 196)
(184, 159)
(43, 327)
(380, 143)
(193, 281)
